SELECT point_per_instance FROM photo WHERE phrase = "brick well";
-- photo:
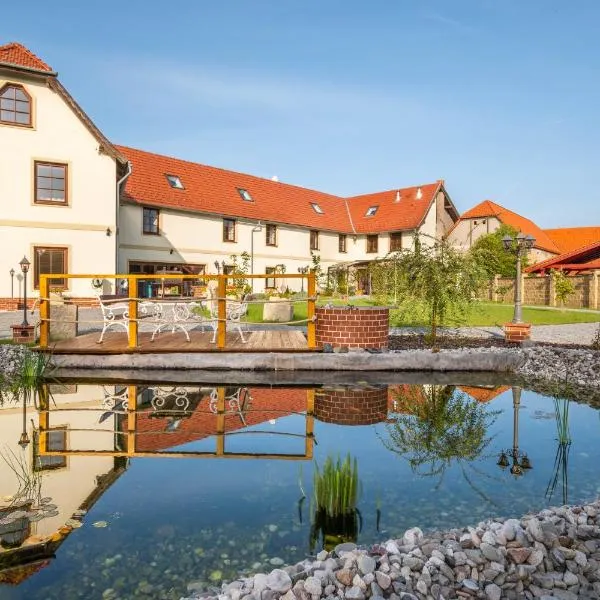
(360, 327)
(352, 407)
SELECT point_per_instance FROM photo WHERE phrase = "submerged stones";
(555, 554)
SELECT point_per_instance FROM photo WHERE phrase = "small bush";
(596, 339)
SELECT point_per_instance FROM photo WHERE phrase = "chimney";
(397, 196)
(419, 194)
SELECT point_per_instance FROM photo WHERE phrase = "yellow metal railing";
(133, 300)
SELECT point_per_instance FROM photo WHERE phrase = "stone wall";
(538, 290)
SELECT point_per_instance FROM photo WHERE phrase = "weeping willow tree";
(336, 491)
(431, 281)
(437, 426)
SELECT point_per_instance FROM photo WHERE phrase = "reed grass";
(336, 488)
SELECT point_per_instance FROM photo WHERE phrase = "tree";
(563, 286)
(489, 252)
(434, 278)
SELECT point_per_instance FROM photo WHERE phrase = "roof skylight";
(371, 211)
(175, 182)
(245, 194)
(317, 208)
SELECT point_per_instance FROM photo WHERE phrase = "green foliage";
(434, 277)
(336, 487)
(241, 267)
(563, 286)
(35, 367)
(488, 251)
(596, 339)
(317, 269)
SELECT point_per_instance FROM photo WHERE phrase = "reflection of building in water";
(39, 494)
(484, 393)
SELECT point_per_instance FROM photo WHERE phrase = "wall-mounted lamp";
(108, 232)
(171, 251)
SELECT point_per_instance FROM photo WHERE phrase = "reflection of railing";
(127, 405)
(131, 305)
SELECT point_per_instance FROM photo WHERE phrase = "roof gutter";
(27, 69)
(120, 183)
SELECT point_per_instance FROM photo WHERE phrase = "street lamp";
(256, 229)
(12, 283)
(302, 271)
(24, 269)
(24, 439)
(520, 460)
(218, 267)
(519, 245)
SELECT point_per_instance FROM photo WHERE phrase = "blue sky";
(501, 98)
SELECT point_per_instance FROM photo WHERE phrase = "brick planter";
(352, 407)
(360, 327)
(517, 332)
(23, 334)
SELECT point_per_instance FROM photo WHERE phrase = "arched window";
(15, 105)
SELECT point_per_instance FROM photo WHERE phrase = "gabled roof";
(483, 394)
(487, 208)
(401, 209)
(14, 54)
(212, 190)
(571, 238)
(581, 259)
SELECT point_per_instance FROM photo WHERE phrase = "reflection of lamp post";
(24, 439)
(520, 461)
(12, 283)
(218, 267)
(302, 271)
(256, 229)
(519, 245)
(24, 269)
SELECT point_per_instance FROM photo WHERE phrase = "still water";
(170, 489)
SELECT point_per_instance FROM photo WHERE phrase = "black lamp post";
(520, 460)
(24, 269)
(302, 271)
(12, 283)
(218, 267)
(519, 245)
(24, 439)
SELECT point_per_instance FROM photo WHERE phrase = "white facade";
(79, 225)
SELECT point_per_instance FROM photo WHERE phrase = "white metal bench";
(115, 313)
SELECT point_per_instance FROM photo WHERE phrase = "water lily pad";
(45, 500)
(100, 524)
(74, 523)
(50, 513)
(7, 498)
(37, 517)
(216, 575)
(49, 507)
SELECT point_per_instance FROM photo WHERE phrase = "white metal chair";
(114, 314)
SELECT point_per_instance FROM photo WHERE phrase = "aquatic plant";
(336, 491)
(29, 481)
(34, 368)
(561, 459)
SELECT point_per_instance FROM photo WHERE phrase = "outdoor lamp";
(503, 460)
(529, 242)
(217, 266)
(24, 439)
(507, 242)
(24, 265)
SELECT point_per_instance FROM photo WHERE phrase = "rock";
(412, 536)
(518, 555)
(344, 576)
(422, 587)
(276, 561)
(493, 592)
(491, 552)
(323, 555)
(354, 593)
(470, 584)
(392, 548)
(383, 580)
(534, 528)
(535, 558)
(279, 581)
(570, 579)
(312, 585)
(359, 583)
(344, 548)
(366, 564)
(260, 582)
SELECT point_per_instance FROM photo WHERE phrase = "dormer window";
(317, 208)
(15, 106)
(371, 211)
(245, 194)
(175, 182)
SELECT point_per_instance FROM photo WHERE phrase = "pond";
(168, 489)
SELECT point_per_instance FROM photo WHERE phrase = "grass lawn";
(481, 315)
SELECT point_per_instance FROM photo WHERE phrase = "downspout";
(120, 182)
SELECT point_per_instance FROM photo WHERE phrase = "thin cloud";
(459, 26)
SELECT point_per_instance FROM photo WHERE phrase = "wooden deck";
(280, 340)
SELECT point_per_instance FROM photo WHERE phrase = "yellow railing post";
(222, 311)
(131, 418)
(133, 311)
(312, 292)
(44, 312)
(220, 421)
(310, 423)
(44, 417)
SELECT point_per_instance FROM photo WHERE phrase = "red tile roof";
(266, 404)
(212, 190)
(571, 238)
(487, 208)
(581, 259)
(15, 54)
(483, 394)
